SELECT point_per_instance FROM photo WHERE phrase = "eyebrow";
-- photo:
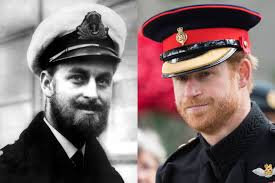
(78, 70)
(106, 74)
(86, 72)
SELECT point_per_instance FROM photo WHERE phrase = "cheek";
(65, 96)
(178, 91)
(178, 98)
(221, 87)
(105, 94)
(63, 88)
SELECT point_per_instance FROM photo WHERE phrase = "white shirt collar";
(68, 147)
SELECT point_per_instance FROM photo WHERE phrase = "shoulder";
(12, 154)
(268, 140)
(269, 136)
(184, 149)
(264, 146)
(182, 152)
(183, 155)
(10, 159)
(16, 155)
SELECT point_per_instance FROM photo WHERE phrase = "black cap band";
(184, 52)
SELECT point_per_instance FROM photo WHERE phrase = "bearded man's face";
(82, 93)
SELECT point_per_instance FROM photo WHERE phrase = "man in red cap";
(206, 52)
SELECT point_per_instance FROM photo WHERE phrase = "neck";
(49, 116)
(231, 124)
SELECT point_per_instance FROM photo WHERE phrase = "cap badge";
(181, 36)
(267, 172)
(92, 27)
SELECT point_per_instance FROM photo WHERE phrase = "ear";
(46, 83)
(245, 69)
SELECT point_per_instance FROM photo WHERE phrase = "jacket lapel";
(47, 161)
(97, 164)
(45, 155)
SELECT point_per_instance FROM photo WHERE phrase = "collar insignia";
(92, 27)
(268, 172)
(181, 36)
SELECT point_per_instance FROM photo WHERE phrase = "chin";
(87, 126)
(199, 123)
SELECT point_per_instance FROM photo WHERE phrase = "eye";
(77, 78)
(104, 81)
(182, 78)
(204, 74)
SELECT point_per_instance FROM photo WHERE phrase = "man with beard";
(206, 52)
(75, 52)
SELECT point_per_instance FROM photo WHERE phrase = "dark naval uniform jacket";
(247, 155)
(37, 157)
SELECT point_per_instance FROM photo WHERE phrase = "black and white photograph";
(69, 92)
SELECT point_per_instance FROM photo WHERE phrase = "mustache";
(195, 102)
(91, 105)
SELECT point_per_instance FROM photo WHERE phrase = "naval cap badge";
(268, 172)
(92, 27)
(181, 36)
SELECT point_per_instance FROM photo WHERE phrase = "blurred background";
(155, 94)
(20, 95)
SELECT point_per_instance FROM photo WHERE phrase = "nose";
(192, 88)
(90, 89)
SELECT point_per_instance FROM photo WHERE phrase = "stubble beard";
(216, 116)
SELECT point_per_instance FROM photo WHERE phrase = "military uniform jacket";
(37, 157)
(247, 155)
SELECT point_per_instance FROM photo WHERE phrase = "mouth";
(90, 112)
(196, 108)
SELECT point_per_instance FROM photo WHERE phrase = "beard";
(211, 118)
(77, 119)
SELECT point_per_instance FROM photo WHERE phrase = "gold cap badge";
(181, 36)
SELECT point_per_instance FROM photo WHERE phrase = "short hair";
(235, 60)
(51, 70)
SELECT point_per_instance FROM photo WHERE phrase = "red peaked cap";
(206, 27)
(202, 24)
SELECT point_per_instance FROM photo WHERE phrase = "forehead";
(91, 65)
